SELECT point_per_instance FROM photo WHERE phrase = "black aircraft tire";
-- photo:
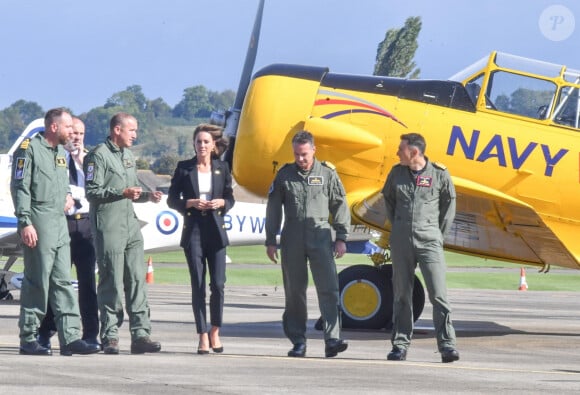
(365, 297)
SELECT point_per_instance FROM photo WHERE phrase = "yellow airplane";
(506, 127)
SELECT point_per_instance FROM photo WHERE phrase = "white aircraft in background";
(160, 225)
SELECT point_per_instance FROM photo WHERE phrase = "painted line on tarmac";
(430, 365)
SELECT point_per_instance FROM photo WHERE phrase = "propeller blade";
(233, 115)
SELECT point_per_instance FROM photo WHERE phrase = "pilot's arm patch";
(19, 171)
(90, 171)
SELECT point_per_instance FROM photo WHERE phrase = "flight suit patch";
(24, 144)
(424, 181)
(90, 172)
(19, 171)
(315, 180)
(128, 163)
(60, 161)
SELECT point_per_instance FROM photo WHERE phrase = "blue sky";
(78, 53)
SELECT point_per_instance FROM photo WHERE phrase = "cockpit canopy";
(525, 88)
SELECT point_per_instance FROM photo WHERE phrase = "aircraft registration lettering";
(495, 149)
(256, 224)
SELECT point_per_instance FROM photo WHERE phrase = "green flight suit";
(118, 240)
(309, 199)
(39, 186)
(421, 208)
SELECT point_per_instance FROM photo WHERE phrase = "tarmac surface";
(510, 342)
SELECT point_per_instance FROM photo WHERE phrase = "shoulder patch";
(19, 170)
(329, 165)
(440, 165)
(25, 143)
(90, 171)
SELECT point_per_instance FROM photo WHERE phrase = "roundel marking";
(167, 222)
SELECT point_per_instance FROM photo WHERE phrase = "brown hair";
(217, 134)
(119, 119)
(52, 116)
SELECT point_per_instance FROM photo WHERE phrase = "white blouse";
(204, 183)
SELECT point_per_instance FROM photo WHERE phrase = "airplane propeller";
(232, 116)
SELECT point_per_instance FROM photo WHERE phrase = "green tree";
(222, 100)
(194, 104)
(132, 100)
(14, 119)
(97, 124)
(396, 52)
(27, 111)
(159, 108)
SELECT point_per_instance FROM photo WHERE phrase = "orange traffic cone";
(523, 283)
(149, 276)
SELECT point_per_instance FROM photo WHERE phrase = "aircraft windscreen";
(519, 94)
(469, 70)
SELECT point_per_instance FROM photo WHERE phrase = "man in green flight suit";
(111, 187)
(420, 202)
(310, 192)
(40, 193)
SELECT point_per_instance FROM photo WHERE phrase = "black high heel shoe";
(202, 351)
(217, 350)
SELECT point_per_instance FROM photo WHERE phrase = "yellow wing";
(491, 224)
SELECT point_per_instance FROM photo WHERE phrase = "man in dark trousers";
(420, 201)
(81, 244)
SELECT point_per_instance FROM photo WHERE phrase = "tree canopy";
(396, 52)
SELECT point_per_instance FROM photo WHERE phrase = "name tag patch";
(424, 181)
(315, 180)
